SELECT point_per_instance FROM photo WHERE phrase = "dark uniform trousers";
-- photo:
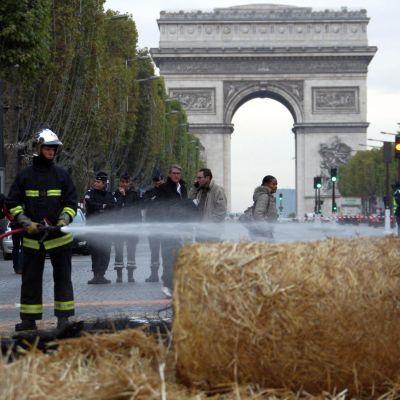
(31, 289)
(155, 246)
(100, 251)
(169, 251)
(131, 244)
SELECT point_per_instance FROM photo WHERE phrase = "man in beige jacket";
(211, 202)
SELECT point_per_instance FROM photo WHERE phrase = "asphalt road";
(140, 299)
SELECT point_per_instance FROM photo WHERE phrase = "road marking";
(100, 303)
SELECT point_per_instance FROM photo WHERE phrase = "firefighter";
(99, 206)
(128, 210)
(44, 194)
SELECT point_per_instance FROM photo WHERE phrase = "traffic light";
(333, 174)
(280, 202)
(397, 146)
(334, 207)
(317, 182)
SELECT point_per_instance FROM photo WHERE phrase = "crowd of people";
(43, 199)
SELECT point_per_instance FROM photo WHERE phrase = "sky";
(262, 141)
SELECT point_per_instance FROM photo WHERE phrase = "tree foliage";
(364, 175)
(24, 37)
(92, 89)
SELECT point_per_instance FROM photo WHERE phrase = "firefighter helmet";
(46, 137)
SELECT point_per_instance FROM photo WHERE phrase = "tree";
(92, 89)
(364, 175)
(24, 37)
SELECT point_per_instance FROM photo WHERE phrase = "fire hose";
(46, 229)
(13, 232)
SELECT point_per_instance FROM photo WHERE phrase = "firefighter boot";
(154, 273)
(62, 323)
(119, 274)
(26, 325)
(131, 267)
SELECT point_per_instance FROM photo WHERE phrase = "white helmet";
(46, 137)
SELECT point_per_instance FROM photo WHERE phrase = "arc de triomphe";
(313, 62)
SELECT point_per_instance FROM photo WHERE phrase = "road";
(136, 299)
(140, 299)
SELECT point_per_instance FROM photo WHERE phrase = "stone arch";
(259, 90)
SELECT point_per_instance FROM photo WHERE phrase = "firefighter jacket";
(100, 205)
(128, 206)
(42, 192)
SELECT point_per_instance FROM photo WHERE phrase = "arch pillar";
(216, 152)
(320, 146)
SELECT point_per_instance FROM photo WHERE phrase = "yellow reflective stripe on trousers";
(32, 193)
(64, 305)
(69, 211)
(54, 192)
(31, 243)
(16, 210)
(58, 242)
(31, 308)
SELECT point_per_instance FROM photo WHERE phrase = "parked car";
(7, 244)
(79, 245)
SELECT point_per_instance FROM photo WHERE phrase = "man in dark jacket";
(154, 239)
(172, 205)
(128, 210)
(44, 194)
(99, 205)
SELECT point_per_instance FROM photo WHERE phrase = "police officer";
(128, 210)
(99, 205)
(44, 194)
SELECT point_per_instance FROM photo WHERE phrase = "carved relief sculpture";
(335, 100)
(195, 100)
(333, 155)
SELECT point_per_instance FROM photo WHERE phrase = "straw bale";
(113, 366)
(319, 316)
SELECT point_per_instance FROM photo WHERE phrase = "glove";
(30, 226)
(33, 228)
(62, 222)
